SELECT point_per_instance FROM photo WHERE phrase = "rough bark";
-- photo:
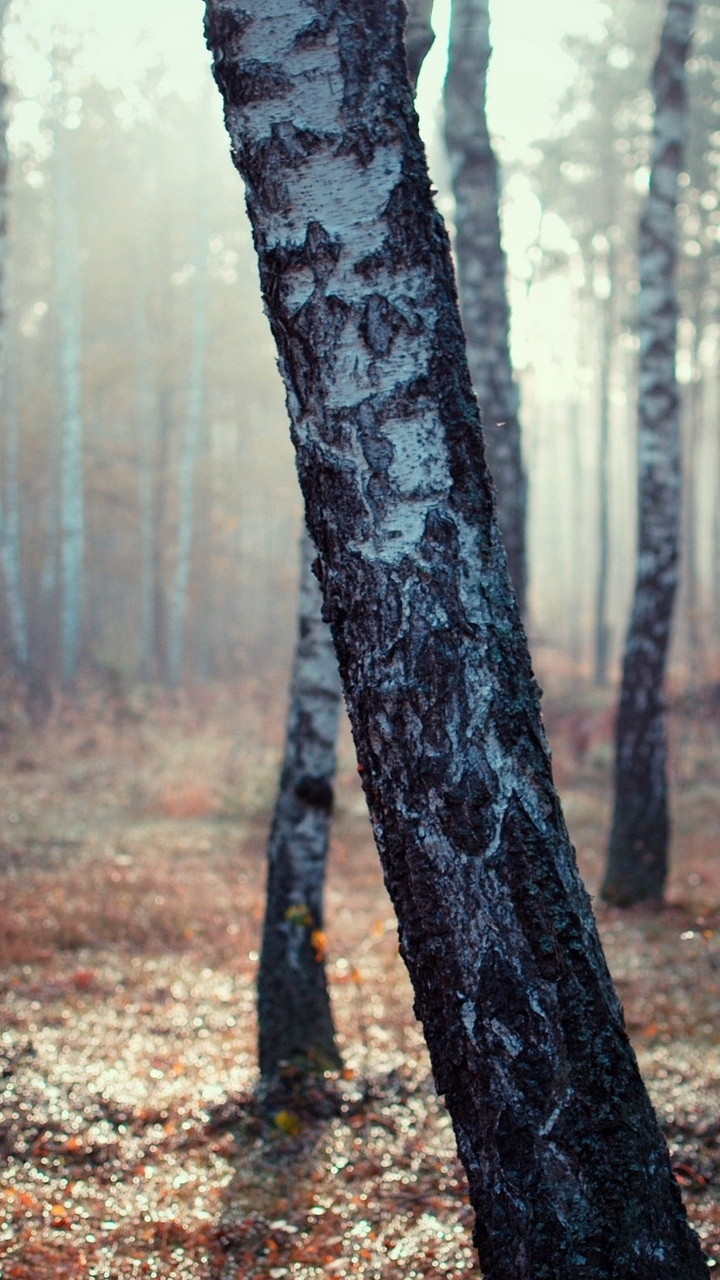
(481, 271)
(294, 1014)
(638, 852)
(567, 1169)
(295, 1021)
(419, 36)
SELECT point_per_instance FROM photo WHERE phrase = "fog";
(133, 312)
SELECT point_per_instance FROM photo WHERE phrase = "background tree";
(294, 1016)
(482, 270)
(16, 643)
(525, 1032)
(637, 856)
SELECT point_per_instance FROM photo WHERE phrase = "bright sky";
(119, 41)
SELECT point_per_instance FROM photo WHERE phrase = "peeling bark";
(481, 271)
(294, 1016)
(568, 1172)
(638, 851)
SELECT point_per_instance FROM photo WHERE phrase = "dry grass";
(132, 851)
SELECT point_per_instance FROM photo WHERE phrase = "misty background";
(149, 510)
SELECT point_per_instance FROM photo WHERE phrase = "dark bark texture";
(481, 271)
(568, 1172)
(295, 1021)
(419, 36)
(638, 852)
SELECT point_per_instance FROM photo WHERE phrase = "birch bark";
(567, 1169)
(294, 1013)
(638, 851)
(481, 271)
(294, 1016)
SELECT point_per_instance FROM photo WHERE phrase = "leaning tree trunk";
(295, 1021)
(481, 271)
(568, 1172)
(638, 852)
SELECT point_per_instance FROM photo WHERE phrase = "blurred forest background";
(149, 526)
(149, 507)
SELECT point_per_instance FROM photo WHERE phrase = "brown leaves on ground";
(129, 922)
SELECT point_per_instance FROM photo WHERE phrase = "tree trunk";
(295, 1021)
(294, 1013)
(568, 1172)
(419, 36)
(638, 852)
(69, 340)
(9, 506)
(146, 412)
(188, 456)
(481, 271)
(602, 630)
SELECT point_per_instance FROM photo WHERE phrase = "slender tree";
(68, 297)
(295, 1021)
(9, 506)
(191, 438)
(638, 852)
(481, 270)
(568, 1171)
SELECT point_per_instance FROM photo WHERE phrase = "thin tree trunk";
(69, 308)
(602, 630)
(146, 411)
(188, 456)
(9, 507)
(10, 523)
(481, 271)
(159, 627)
(295, 1021)
(568, 1172)
(638, 852)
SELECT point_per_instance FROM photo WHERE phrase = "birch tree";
(294, 1016)
(638, 852)
(191, 438)
(567, 1169)
(68, 299)
(295, 1024)
(481, 270)
(9, 506)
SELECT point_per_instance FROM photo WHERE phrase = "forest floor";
(132, 843)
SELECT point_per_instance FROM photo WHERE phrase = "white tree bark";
(639, 840)
(567, 1169)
